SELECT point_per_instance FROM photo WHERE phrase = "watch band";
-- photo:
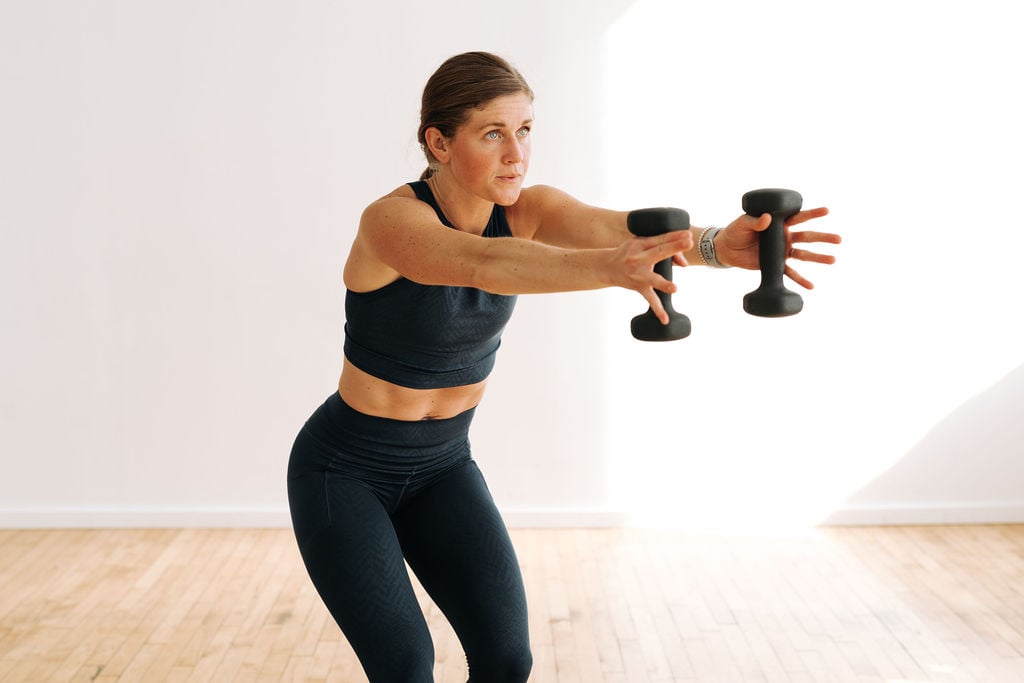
(706, 247)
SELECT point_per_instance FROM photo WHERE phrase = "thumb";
(762, 223)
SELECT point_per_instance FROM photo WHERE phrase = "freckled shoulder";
(385, 230)
(527, 214)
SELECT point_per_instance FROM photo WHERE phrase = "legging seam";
(327, 488)
(327, 500)
(401, 494)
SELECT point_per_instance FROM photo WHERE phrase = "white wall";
(179, 183)
(902, 118)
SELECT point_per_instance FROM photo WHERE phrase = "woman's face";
(490, 153)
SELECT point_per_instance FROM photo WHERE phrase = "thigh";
(354, 559)
(457, 544)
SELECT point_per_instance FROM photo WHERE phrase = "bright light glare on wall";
(903, 118)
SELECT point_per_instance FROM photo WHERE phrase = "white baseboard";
(895, 515)
(278, 517)
(144, 518)
(564, 519)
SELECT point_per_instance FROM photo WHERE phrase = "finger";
(663, 284)
(679, 238)
(815, 236)
(798, 278)
(655, 303)
(685, 237)
(679, 260)
(811, 256)
(807, 215)
(657, 249)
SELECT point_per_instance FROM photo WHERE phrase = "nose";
(514, 151)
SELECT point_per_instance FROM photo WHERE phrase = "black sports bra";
(428, 336)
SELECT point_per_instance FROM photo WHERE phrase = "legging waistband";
(337, 425)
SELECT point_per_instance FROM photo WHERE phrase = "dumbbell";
(649, 223)
(772, 299)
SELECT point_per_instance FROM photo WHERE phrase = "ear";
(437, 144)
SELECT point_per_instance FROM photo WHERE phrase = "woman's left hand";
(738, 244)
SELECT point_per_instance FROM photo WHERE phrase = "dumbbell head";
(772, 200)
(650, 223)
(653, 222)
(772, 299)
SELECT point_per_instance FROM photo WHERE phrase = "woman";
(381, 474)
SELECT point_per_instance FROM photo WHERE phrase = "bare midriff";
(373, 396)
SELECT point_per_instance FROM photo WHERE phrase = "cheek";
(477, 158)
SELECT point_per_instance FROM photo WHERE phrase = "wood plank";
(606, 606)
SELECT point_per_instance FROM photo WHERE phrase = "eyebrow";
(500, 124)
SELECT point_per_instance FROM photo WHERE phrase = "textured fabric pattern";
(369, 494)
(428, 336)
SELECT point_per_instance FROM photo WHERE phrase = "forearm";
(612, 236)
(553, 217)
(600, 228)
(518, 266)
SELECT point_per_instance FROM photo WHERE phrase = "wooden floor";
(624, 606)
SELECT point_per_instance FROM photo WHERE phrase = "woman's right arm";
(399, 236)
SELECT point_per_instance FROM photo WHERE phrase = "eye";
(523, 132)
(493, 135)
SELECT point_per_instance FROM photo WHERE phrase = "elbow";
(487, 280)
(485, 272)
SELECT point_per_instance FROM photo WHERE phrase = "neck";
(465, 211)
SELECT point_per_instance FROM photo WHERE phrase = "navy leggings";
(367, 495)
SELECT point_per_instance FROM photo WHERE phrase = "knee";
(400, 665)
(509, 665)
(519, 665)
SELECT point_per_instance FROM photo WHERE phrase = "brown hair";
(464, 82)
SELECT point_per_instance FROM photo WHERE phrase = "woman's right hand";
(632, 266)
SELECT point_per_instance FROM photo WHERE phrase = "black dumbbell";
(649, 223)
(772, 299)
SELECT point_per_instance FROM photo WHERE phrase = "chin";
(508, 196)
(505, 200)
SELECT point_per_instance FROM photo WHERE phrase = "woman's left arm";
(547, 214)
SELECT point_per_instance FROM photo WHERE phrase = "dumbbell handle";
(649, 223)
(772, 251)
(772, 299)
(664, 269)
